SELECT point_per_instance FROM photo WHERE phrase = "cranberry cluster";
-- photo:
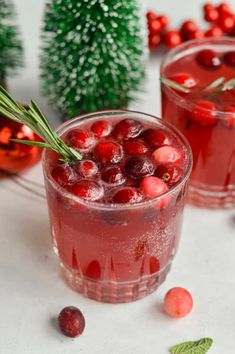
(124, 162)
(221, 19)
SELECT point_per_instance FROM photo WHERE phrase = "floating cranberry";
(170, 174)
(172, 39)
(154, 41)
(64, 175)
(127, 195)
(127, 128)
(139, 167)
(86, 168)
(184, 79)
(101, 128)
(214, 31)
(108, 152)
(157, 137)
(168, 154)
(71, 321)
(88, 190)
(203, 113)
(178, 302)
(135, 147)
(153, 187)
(212, 15)
(229, 120)
(112, 175)
(208, 59)
(227, 24)
(229, 58)
(80, 139)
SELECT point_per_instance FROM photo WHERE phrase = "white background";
(31, 291)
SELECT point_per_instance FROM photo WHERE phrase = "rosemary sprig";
(174, 85)
(228, 85)
(35, 120)
(218, 82)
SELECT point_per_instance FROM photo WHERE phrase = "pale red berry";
(153, 187)
(167, 154)
(178, 302)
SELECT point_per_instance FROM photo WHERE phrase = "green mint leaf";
(216, 83)
(194, 347)
(174, 85)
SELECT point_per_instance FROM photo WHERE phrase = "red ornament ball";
(16, 157)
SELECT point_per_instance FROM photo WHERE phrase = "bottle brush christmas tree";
(93, 54)
(10, 43)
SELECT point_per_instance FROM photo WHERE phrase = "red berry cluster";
(221, 19)
(123, 162)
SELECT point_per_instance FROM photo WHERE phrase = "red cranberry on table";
(224, 8)
(164, 21)
(214, 31)
(195, 35)
(155, 26)
(188, 27)
(154, 41)
(151, 16)
(203, 113)
(207, 7)
(227, 24)
(212, 15)
(208, 59)
(178, 302)
(172, 39)
(71, 321)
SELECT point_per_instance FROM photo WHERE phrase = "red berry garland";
(221, 19)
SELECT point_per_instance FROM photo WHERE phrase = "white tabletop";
(32, 293)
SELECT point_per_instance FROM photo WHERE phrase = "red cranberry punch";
(198, 98)
(116, 215)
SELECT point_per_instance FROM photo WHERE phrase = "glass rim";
(116, 206)
(194, 43)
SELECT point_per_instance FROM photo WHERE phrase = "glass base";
(213, 197)
(114, 292)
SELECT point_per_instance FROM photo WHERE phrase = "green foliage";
(10, 44)
(93, 54)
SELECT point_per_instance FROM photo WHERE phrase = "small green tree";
(93, 54)
(10, 44)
